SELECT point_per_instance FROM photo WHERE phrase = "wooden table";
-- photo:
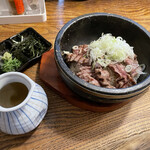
(66, 126)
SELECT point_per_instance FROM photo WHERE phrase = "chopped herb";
(8, 63)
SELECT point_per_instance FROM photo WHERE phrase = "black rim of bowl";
(58, 58)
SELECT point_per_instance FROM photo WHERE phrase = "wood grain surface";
(66, 126)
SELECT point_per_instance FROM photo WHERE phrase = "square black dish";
(22, 50)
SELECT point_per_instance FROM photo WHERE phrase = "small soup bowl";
(89, 27)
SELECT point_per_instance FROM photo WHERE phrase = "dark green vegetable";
(27, 48)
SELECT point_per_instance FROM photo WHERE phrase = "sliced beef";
(85, 73)
(135, 66)
(123, 78)
(78, 55)
(103, 76)
(71, 57)
(81, 49)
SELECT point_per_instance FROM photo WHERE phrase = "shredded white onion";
(142, 66)
(108, 49)
(128, 68)
(75, 47)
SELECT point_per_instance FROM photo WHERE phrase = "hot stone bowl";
(89, 27)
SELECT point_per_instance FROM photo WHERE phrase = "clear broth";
(13, 94)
